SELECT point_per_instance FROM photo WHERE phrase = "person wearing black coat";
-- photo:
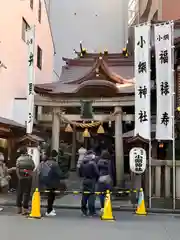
(105, 175)
(89, 172)
(53, 182)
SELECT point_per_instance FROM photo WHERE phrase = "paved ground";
(70, 225)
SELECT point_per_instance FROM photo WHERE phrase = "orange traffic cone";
(107, 212)
(141, 209)
(36, 205)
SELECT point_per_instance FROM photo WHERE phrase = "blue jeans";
(102, 199)
(103, 187)
(88, 199)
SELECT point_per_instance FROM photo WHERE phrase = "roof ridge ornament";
(82, 52)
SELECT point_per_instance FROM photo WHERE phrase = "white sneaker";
(51, 214)
(1, 209)
(53, 211)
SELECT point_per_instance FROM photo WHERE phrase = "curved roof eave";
(99, 62)
(75, 88)
(96, 83)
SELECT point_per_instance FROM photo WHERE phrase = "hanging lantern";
(68, 128)
(100, 130)
(86, 133)
(161, 145)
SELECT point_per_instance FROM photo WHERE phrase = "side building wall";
(16, 16)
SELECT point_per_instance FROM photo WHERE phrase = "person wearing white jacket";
(82, 151)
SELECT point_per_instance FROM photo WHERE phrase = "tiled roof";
(127, 72)
(131, 133)
(70, 73)
(98, 71)
(32, 138)
(11, 123)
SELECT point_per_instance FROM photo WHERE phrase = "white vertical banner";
(143, 81)
(164, 81)
(31, 78)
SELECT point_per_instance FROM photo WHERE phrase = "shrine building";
(106, 81)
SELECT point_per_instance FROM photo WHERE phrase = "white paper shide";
(137, 160)
(31, 79)
(164, 81)
(143, 82)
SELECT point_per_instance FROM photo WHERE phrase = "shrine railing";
(162, 182)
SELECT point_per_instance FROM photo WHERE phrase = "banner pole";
(150, 157)
(174, 159)
(173, 123)
(150, 174)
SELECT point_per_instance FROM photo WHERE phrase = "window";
(25, 27)
(31, 3)
(39, 57)
(39, 11)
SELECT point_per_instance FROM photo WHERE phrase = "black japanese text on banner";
(143, 82)
(31, 78)
(164, 81)
(137, 160)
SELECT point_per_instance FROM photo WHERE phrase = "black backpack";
(45, 173)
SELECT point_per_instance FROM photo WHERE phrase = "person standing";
(82, 151)
(89, 172)
(50, 176)
(105, 179)
(4, 175)
(24, 170)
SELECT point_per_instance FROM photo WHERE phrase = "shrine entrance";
(95, 90)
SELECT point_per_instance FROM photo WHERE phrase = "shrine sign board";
(137, 160)
(86, 110)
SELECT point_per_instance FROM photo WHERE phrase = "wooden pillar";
(73, 157)
(167, 180)
(119, 147)
(55, 129)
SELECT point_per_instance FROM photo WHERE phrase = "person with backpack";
(89, 172)
(24, 170)
(49, 178)
(104, 182)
